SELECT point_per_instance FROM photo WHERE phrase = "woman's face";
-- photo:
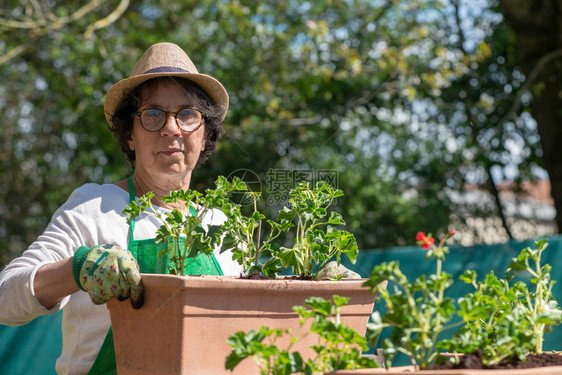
(167, 154)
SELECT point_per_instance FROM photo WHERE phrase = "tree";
(51, 89)
(481, 111)
(536, 25)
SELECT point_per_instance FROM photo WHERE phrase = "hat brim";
(216, 91)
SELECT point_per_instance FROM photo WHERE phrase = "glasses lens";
(188, 119)
(152, 119)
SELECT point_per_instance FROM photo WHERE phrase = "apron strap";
(131, 199)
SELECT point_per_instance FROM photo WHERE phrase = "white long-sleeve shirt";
(91, 216)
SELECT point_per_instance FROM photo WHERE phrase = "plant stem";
(539, 304)
(437, 329)
(258, 244)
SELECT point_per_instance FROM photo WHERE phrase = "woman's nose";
(171, 126)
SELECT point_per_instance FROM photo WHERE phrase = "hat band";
(166, 69)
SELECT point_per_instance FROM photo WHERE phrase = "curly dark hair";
(122, 119)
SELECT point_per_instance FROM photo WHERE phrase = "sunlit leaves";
(317, 241)
(506, 319)
(182, 227)
(339, 346)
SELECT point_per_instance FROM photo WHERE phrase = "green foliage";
(316, 241)
(506, 320)
(184, 232)
(492, 322)
(243, 235)
(417, 311)
(339, 346)
(499, 319)
(251, 344)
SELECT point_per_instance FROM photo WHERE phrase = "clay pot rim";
(235, 282)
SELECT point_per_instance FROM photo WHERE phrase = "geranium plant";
(183, 231)
(252, 239)
(417, 310)
(501, 319)
(246, 236)
(317, 240)
(339, 346)
(493, 324)
(537, 304)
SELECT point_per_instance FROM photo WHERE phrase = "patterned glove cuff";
(78, 262)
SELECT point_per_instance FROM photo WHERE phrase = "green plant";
(417, 311)
(316, 240)
(183, 231)
(500, 319)
(243, 234)
(492, 321)
(504, 320)
(538, 306)
(339, 346)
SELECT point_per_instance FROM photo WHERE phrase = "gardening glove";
(332, 270)
(107, 271)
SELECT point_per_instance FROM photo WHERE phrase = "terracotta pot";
(185, 321)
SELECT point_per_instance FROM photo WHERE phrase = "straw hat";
(164, 60)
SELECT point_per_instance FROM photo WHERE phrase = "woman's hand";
(107, 271)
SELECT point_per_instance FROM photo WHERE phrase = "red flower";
(424, 241)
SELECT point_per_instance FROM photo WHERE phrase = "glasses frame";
(175, 115)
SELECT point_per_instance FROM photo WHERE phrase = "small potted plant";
(204, 310)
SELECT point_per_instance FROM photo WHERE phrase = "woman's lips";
(171, 152)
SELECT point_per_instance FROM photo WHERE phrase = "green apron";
(146, 254)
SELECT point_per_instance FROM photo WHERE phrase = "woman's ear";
(204, 141)
(131, 143)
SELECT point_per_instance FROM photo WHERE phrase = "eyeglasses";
(154, 119)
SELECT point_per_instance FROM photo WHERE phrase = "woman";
(167, 118)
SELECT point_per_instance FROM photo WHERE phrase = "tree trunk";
(537, 25)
